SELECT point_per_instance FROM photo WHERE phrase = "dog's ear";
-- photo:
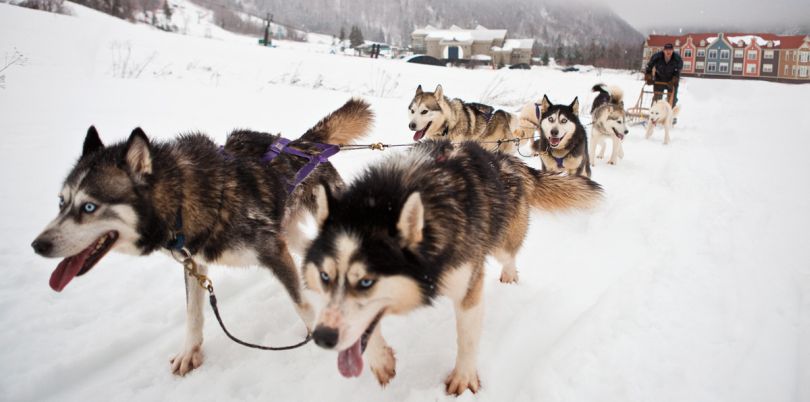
(575, 106)
(92, 142)
(411, 221)
(545, 104)
(323, 199)
(439, 92)
(139, 154)
(419, 90)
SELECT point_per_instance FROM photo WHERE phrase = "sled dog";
(230, 207)
(419, 225)
(608, 117)
(563, 143)
(662, 114)
(434, 116)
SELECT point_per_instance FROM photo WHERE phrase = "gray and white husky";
(231, 207)
(609, 123)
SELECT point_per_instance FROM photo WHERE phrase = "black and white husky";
(419, 225)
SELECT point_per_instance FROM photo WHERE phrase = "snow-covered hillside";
(689, 283)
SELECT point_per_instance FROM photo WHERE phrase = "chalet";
(458, 45)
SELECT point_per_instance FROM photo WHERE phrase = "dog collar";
(559, 161)
(446, 131)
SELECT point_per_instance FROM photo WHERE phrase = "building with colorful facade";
(738, 55)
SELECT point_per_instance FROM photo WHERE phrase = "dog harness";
(281, 146)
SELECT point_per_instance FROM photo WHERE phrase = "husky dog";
(418, 225)
(608, 119)
(563, 143)
(230, 207)
(662, 114)
(433, 116)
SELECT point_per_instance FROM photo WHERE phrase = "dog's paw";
(384, 365)
(187, 360)
(600, 156)
(509, 276)
(458, 382)
(611, 162)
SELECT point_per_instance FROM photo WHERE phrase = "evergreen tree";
(342, 34)
(356, 36)
(167, 11)
(545, 57)
(559, 55)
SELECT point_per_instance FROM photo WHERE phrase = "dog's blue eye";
(424, 112)
(551, 119)
(324, 277)
(563, 121)
(61, 201)
(89, 207)
(366, 283)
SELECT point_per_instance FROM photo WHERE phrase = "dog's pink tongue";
(67, 269)
(419, 134)
(350, 361)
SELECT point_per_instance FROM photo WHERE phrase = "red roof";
(786, 42)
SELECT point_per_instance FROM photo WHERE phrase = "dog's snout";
(412, 126)
(42, 247)
(325, 337)
(554, 132)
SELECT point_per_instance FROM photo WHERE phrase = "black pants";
(659, 91)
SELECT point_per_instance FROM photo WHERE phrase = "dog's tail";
(555, 192)
(616, 94)
(345, 125)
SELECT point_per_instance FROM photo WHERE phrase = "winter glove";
(648, 79)
(675, 80)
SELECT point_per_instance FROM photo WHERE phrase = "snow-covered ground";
(689, 283)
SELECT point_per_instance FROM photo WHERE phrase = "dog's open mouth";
(555, 141)
(618, 134)
(419, 134)
(80, 264)
(350, 361)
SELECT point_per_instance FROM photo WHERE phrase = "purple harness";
(280, 146)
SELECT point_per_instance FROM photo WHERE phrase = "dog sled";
(639, 113)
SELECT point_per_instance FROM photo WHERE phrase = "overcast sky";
(644, 15)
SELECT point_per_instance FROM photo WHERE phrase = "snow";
(511, 44)
(689, 282)
(458, 34)
(747, 39)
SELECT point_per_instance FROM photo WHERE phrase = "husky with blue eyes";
(563, 143)
(417, 226)
(230, 207)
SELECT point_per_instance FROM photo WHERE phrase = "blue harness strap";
(559, 161)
